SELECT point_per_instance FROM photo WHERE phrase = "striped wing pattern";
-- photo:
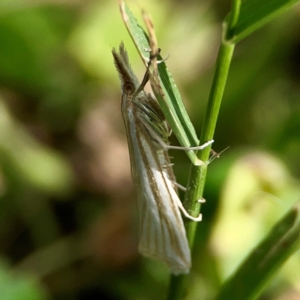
(162, 232)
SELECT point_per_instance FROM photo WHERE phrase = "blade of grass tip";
(158, 88)
(137, 33)
(264, 261)
(168, 95)
(141, 41)
(167, 82)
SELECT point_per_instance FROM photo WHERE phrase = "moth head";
(128, 88)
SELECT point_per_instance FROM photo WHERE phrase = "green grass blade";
(256, 13)
(171, 101)
(265, 260)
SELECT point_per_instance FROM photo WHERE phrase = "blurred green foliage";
(68, 226)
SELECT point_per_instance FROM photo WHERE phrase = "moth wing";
(162, 232)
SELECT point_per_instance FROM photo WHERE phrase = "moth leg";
(185, 213)
(181, 187)
(168, 166)
(200, 147)
(148, 60)
(146, 76)
(165, 146)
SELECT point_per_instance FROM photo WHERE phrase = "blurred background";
(68, 218)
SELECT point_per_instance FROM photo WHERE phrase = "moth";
(161, 229)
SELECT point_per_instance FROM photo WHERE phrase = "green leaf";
(256, 13)
(264, 261)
